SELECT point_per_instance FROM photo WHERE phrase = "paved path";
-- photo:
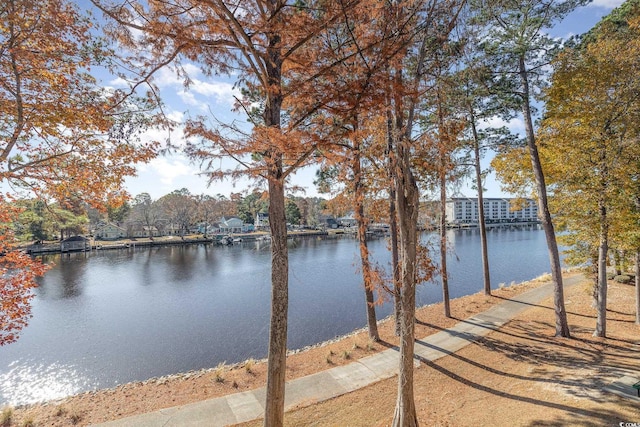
(249, 405)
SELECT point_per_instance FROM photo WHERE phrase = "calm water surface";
(105, 318)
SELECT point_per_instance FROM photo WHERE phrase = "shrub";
(611, 276)
(219, 372)
(248, 366)
(623, 278)
(5, 419)
(328, 359)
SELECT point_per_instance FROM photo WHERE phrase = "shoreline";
(247, 374)
(53, 248)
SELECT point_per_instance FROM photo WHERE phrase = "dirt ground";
(520, 375)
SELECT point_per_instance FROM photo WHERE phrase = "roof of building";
(75, 239)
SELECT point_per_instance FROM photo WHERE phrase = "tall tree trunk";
(617, 260)
(407, 202)
(358, 190)
(562, 326)
(393, 223)
(637, 273)
(277, 356)
(603, 249)
(481, 222)
(444, 274)
(442, 172)
(393, 228)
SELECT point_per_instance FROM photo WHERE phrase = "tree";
(118, 213)
(292, 212)
(518, 49)
(19, 273)
(145, 211)
(67, 222)
(351, 97)
(250, 205)
(227, 206)
(260, 42)
(590, 133)
(434, 25)
(179, 207)
(208, 208)
(57, 126)
(444, 122)
(33, 222)
(478, 101)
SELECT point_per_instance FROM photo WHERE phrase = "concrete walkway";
(249, 405)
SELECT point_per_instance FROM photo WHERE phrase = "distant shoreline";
(50, 248)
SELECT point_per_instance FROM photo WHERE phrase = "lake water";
(106, 318)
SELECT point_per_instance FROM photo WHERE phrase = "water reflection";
(29, 381)
(68, 273)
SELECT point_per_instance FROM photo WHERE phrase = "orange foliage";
(62, 136)
(18, 272)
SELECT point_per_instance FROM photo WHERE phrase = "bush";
(611, 276)
(5, 419)
(623, 278)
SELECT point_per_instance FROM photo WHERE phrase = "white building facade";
(464, 210)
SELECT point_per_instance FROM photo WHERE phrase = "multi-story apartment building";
(463, 210)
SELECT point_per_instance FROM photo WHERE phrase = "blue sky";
(171, 172)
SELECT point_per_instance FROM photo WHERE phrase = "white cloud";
(515, 125)
(170, 169)
(192, 69)
(214, 90)
(223, 92)
(607, 4)
(119, 82)
(166, 77)
(188, 98)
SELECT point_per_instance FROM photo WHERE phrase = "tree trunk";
(277, 356)
(393, 222)
(407, 203)
(617, 260)
(481, 223)
(444, 274)
(562, 326)
(358, 190)
(393, 227)
(637, 273)
(443, 142)
(603, 249)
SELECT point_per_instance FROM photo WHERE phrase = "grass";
(329, 361)
(75, 419)
(220, 372)
(5, 419)
(248, 366)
